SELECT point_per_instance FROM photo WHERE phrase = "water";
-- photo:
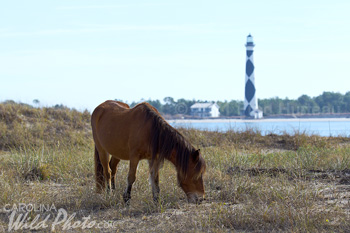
(322, 127)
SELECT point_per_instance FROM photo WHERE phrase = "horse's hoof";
(126, 198)
(156, 200)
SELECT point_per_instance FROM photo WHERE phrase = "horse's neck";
(172, 157)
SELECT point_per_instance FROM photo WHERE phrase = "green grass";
(254, 183)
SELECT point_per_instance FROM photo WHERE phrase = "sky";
(80, 53)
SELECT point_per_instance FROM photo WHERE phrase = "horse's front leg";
(113, 165)
(131, 179)
(154, 180)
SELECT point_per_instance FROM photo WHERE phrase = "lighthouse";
(250, 100)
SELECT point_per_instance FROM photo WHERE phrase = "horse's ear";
(196, 155)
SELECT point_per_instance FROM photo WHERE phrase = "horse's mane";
(165, 139)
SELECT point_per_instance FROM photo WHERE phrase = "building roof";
(204, 105)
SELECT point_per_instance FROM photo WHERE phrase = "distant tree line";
(170, 106)
(326, 103)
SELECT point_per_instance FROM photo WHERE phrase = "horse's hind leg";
(104, 158)
(113, 165)
(99, 171)
(131, 179)
(154, 179)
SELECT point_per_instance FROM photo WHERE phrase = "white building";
(256, 114)
(205, 110)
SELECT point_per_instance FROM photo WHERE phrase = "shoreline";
(184, 121)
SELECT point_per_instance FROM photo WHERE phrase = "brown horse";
(141, 133)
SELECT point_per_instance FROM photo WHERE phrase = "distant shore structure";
(250, 100)
(205, 110)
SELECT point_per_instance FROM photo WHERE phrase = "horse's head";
(192, 183)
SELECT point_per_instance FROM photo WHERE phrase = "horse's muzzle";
(195, 199)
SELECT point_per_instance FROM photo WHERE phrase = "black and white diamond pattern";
(250, 101)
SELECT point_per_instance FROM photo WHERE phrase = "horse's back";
(110, 105)
(106, 111)
(118, 128)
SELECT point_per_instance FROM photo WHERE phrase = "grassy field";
(254, 183)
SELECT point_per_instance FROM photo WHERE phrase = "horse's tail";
(100, 182)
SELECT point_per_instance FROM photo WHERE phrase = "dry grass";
(254, 183)
(24, 126)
